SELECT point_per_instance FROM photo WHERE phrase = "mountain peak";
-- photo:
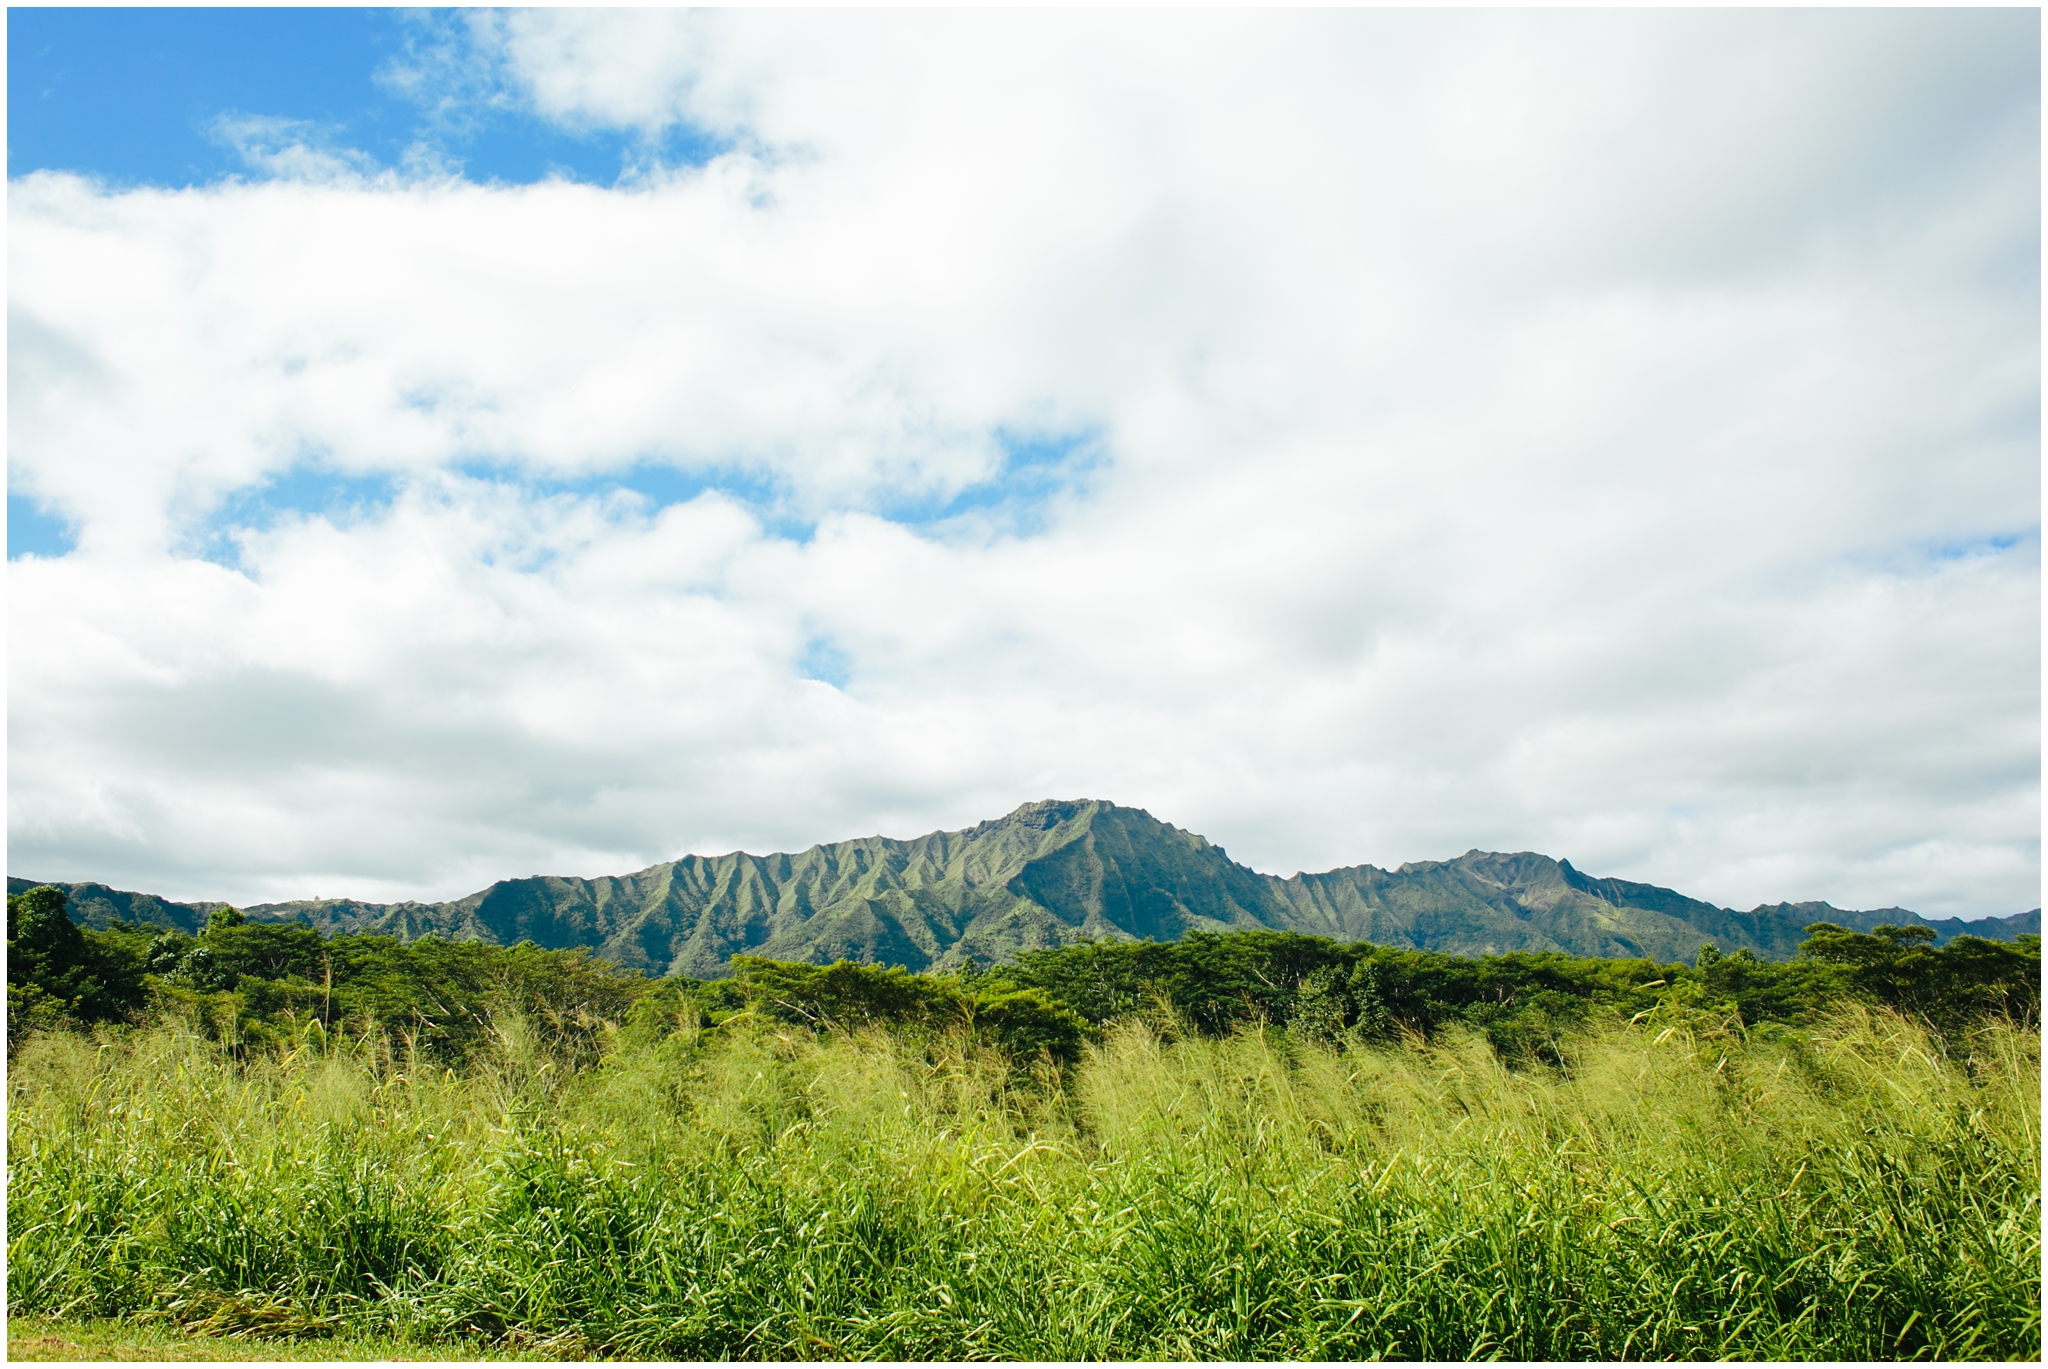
(1048, 873)
(1040, 815)
(1050, 812)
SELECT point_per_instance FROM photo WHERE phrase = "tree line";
(253, 984)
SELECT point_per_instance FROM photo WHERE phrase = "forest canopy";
(248, 983)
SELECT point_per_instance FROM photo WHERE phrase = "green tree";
(1950, 985)
(58, 972)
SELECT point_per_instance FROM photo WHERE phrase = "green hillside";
(1050, 874)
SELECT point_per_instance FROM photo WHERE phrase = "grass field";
(1858, 1191)
(104, 1339)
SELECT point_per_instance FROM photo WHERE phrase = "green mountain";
(1046, 875)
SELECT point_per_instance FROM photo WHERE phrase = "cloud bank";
(1354, 436)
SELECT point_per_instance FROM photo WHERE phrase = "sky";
(446, 447)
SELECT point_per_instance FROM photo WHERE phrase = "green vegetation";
(1526, 1003)
(267, 984)
(1851, 1193)
(1251, 1146)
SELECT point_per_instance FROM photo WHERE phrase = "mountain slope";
(1045, 875)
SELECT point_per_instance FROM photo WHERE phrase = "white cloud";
(1615, 435)
(291, 149)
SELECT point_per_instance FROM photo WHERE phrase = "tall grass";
(1851, 1193)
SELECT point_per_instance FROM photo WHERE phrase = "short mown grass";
(1859, 1191)
(101, 1339)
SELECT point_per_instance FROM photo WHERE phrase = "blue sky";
(448, 445)
(132, 95)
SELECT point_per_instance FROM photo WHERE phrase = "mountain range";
(1045, 875)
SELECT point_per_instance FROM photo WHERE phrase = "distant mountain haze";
(1048, 874)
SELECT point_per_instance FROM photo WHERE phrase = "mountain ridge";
(1047, 874)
